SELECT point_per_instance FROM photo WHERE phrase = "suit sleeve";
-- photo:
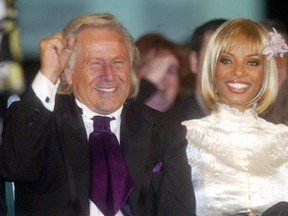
(25, 131)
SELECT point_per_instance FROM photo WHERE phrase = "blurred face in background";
(164, 66)
(169, 85)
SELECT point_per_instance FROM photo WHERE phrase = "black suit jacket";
(185, 109)
(46, 155)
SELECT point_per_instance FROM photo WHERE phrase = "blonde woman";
(239, 160)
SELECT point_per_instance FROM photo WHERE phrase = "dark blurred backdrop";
(278, 9)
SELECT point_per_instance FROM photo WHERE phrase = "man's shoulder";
(187, 108)
(142, 111)
(154, 117)
(64, 99)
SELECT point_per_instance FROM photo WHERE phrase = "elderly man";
(58, 149)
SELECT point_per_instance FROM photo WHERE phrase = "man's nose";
(107, 72)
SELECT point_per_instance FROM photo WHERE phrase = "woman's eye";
(254, 63)
(173, 70)
(225, 61)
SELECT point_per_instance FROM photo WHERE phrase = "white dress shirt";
(46, 91)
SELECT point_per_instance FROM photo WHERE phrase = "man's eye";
(96, 64)
(118, 64)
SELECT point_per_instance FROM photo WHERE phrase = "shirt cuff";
(45, 90)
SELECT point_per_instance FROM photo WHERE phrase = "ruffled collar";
(236, 112)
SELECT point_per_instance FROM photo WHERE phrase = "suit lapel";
(74, 147)
(134, 138)
(73, 129)
(134, 142)
(140, 140)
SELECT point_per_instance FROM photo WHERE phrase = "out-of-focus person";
(159, 72)
(192, 105)
(12, 81)
(278, 112)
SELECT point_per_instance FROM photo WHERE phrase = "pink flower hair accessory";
(277, 46)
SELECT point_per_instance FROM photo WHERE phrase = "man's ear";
(68, 74)
(193, 59)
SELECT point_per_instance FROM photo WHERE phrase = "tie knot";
(102, 123)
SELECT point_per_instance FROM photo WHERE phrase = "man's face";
(100, 75)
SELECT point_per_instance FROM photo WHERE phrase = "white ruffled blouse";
(239, 162)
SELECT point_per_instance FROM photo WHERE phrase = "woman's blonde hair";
(249, 34)
(103, 20)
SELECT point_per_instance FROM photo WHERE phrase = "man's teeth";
(106, 89)
(238, 85)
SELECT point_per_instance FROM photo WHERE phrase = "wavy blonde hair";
(103, 20)
(227, 35)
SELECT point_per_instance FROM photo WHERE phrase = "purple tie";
(111, 183)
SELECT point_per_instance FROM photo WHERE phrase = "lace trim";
(235, 111)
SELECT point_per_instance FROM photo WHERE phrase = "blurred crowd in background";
(12, 76)
(170, 72)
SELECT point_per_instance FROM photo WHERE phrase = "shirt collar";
(87, 113)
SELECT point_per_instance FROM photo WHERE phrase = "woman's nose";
(239, 70)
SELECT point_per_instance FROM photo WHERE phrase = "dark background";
(278, 9)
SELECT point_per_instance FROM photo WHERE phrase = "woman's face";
(170, 82)
(239, 75)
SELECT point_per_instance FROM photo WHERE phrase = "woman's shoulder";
(194, 123)
(272, 126)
